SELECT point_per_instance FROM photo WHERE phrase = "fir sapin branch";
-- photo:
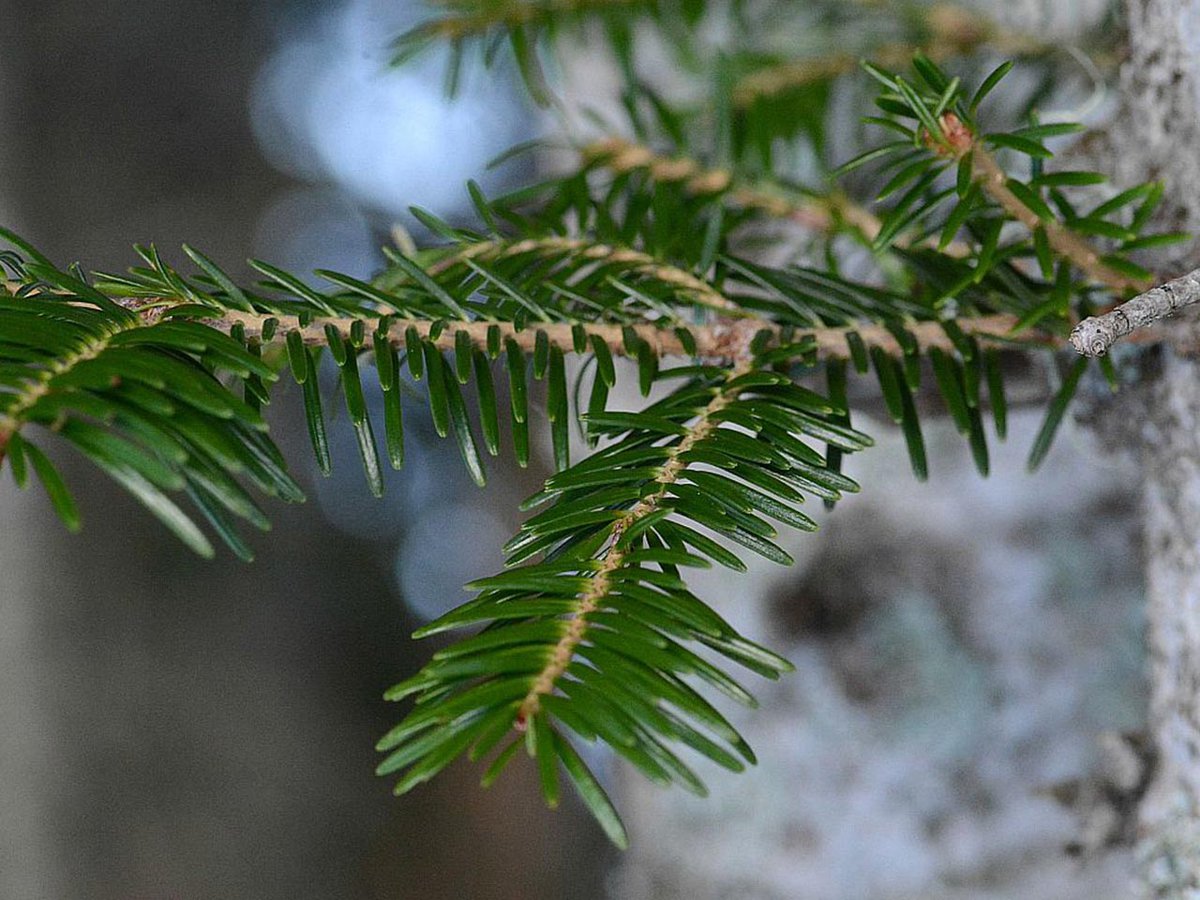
(722, 341)
(820, 213)
(719, 342)
(24, 399)
(621, 156)
(698, 290)
(614, 557)
(958, 141)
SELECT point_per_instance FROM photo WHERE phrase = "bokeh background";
(177, 728)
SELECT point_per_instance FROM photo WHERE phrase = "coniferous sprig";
(532, 300)
(946, 181)
(523, 24)
(139, 396)
(588, 630)
(944, 167)
(134, 370)
(157, 376)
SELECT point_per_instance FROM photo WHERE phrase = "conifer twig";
(959, 141)
(721, 341)
(699, 290)
(32, 391)
(953, 31)
(615, 555)
(815, 213)
(621, 156)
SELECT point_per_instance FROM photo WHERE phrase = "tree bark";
(1169, 829)
(1157, 137)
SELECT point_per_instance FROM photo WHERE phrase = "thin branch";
(1062, 240)
(723, 341)
(717, 343)
(1094, 336)
(620, 156)
(701, 292)
(960, 141)
(727, 341)
(815, 213)
(953, 31)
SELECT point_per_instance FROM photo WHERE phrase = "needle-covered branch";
(945, 30)
(826, 213)
(720, 342)
(157, 377)
(591, 627)
(1062, 239)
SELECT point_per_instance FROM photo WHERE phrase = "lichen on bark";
(1156, 136)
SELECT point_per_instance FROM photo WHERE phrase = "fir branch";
(719, 342)
(616, 553)
(592, 638)
(994, 181)
(951, 31)
(699, 290)
(812, 212)
(825, 213)
(959, 142)
(17, 404)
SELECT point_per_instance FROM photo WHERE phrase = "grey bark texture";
(1158, 136)
(1169, 826)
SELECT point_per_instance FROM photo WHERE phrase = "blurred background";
(177, 728)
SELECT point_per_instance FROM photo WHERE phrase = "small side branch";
(957, 141)
(700, 291)
(819, 213)
(1066, 243)
(952, 31)
(614, 557)
(621, 156)
(1094, 336)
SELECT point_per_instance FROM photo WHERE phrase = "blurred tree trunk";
(1158, 137)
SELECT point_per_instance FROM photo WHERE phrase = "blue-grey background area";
(171, 727)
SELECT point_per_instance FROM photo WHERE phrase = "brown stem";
(621, 156)
(1066, 243)
(720, 342)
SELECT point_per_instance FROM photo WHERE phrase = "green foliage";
(591, 635)
(649, 249)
